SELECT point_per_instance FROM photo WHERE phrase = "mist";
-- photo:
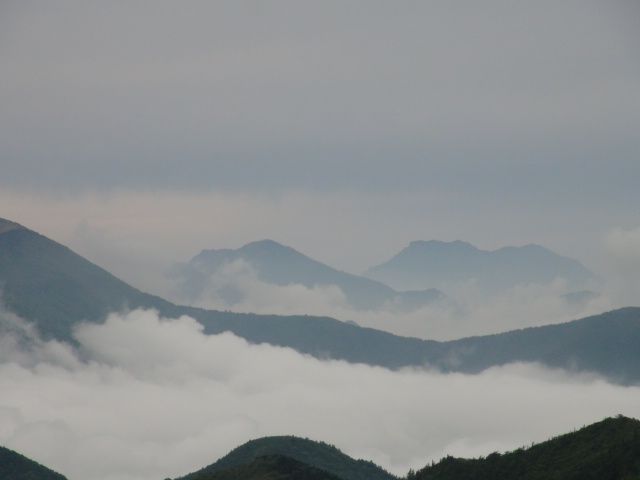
(346, 131)
(151, 398)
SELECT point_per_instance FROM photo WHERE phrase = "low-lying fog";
(150, 398)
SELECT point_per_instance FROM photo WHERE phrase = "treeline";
(607, 450)
(14, 466)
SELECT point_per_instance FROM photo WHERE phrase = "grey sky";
(139, 133)
(345, 130)
(322, 95)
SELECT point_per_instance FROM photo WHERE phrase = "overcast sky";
(139, 133)
(345, 130)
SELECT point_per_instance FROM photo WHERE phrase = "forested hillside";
(273, 467)
(607, 450)
(14, 466)
(317, 454)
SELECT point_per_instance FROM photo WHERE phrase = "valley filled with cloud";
(145, 397)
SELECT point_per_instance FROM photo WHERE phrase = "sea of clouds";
(146, 398)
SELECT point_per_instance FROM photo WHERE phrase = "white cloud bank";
(158, 399)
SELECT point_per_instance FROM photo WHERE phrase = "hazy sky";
(345, 130)
(139, 133)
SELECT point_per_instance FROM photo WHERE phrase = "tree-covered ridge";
(14, 466)
(272, 467)
(607, 450)
(317, 454)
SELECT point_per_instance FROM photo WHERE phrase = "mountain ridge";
(608, 449)
(271, 467)
(15, 466)
(46, 283)
(605, 450)
(438, 264)
(318, 454)
(282, 265)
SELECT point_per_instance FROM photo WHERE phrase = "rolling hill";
(14, 466)
(280, 265)
(316, 454)
(607, 450)
(48, 284)
(273, 467)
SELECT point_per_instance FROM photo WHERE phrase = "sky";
(343, 130)
(140, 133)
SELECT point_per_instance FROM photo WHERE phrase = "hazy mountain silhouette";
(317, 454)
(607, 450)
(280, 265)
(435, 264)
(48, 284)
(14, 466)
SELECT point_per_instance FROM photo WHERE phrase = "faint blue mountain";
(435, 264)
(281, 265)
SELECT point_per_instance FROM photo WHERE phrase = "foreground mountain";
(274, 467)
(316, 454)
(607, 450)
(280, 265)
(48, 284)
(442, 264)
(14, 466)
(45, 282)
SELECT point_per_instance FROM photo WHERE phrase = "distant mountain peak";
(282, 265)
(437, 264)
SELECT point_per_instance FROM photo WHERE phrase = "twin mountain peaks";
(420, 275)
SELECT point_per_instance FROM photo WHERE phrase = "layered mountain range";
(419, 275)
(280, 265)
(51, 286)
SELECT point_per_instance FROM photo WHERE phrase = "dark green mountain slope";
(438, 264)
(47, 283)
(275, 467)
(317, 454)
(280, 265)
(607, 450)
(14, 466)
